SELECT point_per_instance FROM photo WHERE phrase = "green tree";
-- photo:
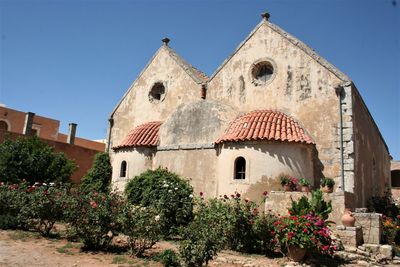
(99, 176)
(33, 160)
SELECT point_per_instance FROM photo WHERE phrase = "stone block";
(350, 236)
(387, 251)
(371, 224)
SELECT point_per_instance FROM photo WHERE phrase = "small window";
(3, 126)
(122, 172)
(262, 72)
(157, 93)
(395, 178)
(240, 168)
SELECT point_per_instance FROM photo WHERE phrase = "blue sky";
(73, 60)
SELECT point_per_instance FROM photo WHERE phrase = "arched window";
(122, 172)
(3, 126)
(395, 178)
(240, 168)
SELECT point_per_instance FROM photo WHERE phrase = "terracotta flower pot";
(348, 218)
(305, 188)
(296, 253)
(327, 189)
(287, 188)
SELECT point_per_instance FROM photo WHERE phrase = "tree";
(33, 160)
(99, 176)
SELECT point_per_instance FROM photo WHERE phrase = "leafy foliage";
(316, 204)
(168, 258)
(142, 226)
(326, 181)
(93, 217)
(206, 234)
(12, 200)
(167, 193)
(99, 176)
(32, 160)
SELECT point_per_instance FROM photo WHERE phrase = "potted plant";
(299, 234)
(288, 183)
(305, 185)
(327, 184)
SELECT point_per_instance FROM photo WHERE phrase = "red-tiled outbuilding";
(145, 134)
(265, 125)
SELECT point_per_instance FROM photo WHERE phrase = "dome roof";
(145, 134)
(265, 125)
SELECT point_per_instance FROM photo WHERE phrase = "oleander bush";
(169, 194)
(12, 199)
(94, 217)
(142, 226)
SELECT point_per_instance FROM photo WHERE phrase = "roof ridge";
(292, 39)
(197, 75)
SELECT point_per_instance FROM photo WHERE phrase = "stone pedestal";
(372, 227)
(350, 236)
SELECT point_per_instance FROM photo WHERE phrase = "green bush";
(44, 207)
(142, 226)
(316, 205)
(12, 199)
(32, 160)
(206, 234)
(99, 176)
(168, 258)
(93, 218)
(167, 193)
(384, 204)
(263, 233)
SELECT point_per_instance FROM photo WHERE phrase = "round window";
(262, 72)
(157, 93)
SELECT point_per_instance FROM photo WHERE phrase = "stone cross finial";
(165, 41)
(265, 16)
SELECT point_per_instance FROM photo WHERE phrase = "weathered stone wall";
(265, 162)
(138, 160)
(300, 87)
(199, 166)
(371, 162)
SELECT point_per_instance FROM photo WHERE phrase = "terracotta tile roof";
(145, 134)
(265, 125)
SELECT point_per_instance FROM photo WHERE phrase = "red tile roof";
(145, 134)
(265, 125)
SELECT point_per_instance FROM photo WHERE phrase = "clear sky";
(72, 60)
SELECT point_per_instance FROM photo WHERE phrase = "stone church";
(273, 107)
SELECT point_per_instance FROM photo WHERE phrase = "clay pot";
(305, 188)
(287, 188)
(327, 189)
(296, 253)
(348, 218)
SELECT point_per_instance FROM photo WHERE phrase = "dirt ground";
(19, 248)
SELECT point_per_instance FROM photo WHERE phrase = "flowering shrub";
(290, 181)
(142, 226)
(167, 193)
(93, 217)
(44, 206)
(391, 229)
(12, 199)
(316, 204)
(206, 234)
(306, 231)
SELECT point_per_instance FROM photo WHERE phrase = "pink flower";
(93, 204)
(265, 193)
